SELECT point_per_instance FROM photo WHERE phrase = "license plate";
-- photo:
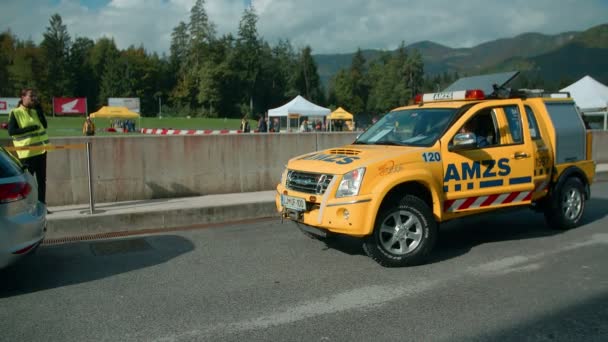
(295, 203)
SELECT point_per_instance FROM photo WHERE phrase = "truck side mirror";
(463, 141)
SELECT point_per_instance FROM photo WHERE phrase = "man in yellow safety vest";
(27, 126)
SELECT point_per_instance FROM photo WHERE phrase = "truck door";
(494, 171)
(543, 158)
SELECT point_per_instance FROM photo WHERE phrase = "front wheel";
(566, 205)
(404, 234)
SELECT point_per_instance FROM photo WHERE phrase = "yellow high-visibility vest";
(28, 117)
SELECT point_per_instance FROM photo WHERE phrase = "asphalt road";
(495, 278)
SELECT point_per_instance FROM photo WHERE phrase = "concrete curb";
(135, 216)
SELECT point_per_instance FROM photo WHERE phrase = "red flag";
(69, 105)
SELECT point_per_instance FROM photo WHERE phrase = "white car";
(22, 216)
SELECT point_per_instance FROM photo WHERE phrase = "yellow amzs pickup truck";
(449, 155)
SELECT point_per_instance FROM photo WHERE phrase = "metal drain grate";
(114, 247)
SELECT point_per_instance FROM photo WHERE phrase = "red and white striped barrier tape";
(163, 131)
(492, 200)
(486, 201)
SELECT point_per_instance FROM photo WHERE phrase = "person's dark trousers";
(37, 167)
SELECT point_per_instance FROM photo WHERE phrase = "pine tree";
(179, 47)
(360, 87)
(56, 48)
(81, 70)
(248, 50)
(202, 31)
(307, 80)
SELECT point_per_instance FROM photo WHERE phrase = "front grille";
(310, 183)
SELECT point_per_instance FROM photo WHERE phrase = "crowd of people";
(124, 125)
(265, 125)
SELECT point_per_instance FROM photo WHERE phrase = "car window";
(532, 124)
(514, 122)
(483, 125)
(9, 167)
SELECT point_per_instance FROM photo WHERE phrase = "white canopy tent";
(591, 97)
(298, 107)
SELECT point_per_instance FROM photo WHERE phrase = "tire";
(404, 234)
(566, 205)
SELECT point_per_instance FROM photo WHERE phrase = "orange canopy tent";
(341, 114)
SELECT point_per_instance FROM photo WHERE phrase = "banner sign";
(69, 105)
(7, 104)
(130, 102)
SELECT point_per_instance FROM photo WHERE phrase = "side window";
(514, 122)
(532, 124)
(483, 125)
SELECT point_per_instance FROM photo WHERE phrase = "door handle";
(521, 155)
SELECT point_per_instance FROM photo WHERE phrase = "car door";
(543, 158)
(493, 175)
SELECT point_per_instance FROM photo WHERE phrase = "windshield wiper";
(393, 143)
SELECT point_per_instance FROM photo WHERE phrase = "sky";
(327, 26)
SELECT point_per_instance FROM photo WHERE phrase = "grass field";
(71, 126)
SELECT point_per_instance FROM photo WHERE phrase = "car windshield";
(410, 127)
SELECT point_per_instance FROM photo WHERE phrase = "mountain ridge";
(530, 52)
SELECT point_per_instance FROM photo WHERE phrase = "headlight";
(351, 183)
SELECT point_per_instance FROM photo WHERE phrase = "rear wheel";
(565, 208)
(404, 234)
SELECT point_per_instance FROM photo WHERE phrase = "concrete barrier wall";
(148, 167)
(600, 146)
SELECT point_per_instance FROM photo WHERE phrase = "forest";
(204, 74)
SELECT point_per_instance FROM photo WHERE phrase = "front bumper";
(349, 216)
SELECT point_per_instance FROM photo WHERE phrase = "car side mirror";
(463, 141)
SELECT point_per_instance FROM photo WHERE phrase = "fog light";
(346, 214)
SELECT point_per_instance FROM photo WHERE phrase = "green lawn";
(71, 126)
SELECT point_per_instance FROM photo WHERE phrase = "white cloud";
(328, 27)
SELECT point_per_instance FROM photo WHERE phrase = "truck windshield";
(410, 127)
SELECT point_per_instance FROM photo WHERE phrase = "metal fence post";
(90, 174)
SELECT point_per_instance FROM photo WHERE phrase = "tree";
(383, 80)
(414, 72)
(114, 80)
(359, 81)
(179, 47)
(285, 62)
(202, 31)
(81, 70)
(307, 80)
(26, 70)
(141, 77)
(56, 47)
(7, 56)
(248, 53)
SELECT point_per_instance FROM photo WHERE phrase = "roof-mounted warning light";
(472, 94)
